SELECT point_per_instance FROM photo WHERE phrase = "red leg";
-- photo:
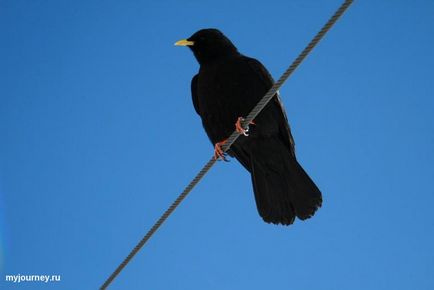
(218, 151)
(240, 128)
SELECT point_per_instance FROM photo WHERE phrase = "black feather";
(228, 86)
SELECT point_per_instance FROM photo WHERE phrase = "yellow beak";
(184, 42)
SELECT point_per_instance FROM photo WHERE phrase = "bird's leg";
(218, 151)
(240, 128)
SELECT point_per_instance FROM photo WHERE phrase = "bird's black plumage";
(228, 86)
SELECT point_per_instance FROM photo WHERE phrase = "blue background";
(98, 136)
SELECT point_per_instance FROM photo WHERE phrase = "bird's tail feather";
(282, 188)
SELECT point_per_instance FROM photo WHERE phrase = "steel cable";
(232, 138)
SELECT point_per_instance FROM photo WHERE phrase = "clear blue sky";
(98, 135)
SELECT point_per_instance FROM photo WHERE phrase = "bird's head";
(208, 45)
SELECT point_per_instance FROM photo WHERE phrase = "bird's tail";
(283, 190)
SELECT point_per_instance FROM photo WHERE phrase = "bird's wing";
(268, 81)
(194, 95)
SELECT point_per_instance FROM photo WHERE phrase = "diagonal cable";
(232, 138)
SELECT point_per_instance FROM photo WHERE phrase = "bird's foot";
(218, 151)
(239, 128)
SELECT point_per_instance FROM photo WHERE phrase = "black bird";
(228, 86)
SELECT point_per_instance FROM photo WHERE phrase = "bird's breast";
(219, 99)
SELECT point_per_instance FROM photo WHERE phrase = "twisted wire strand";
(160, 221)
(232, 138)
